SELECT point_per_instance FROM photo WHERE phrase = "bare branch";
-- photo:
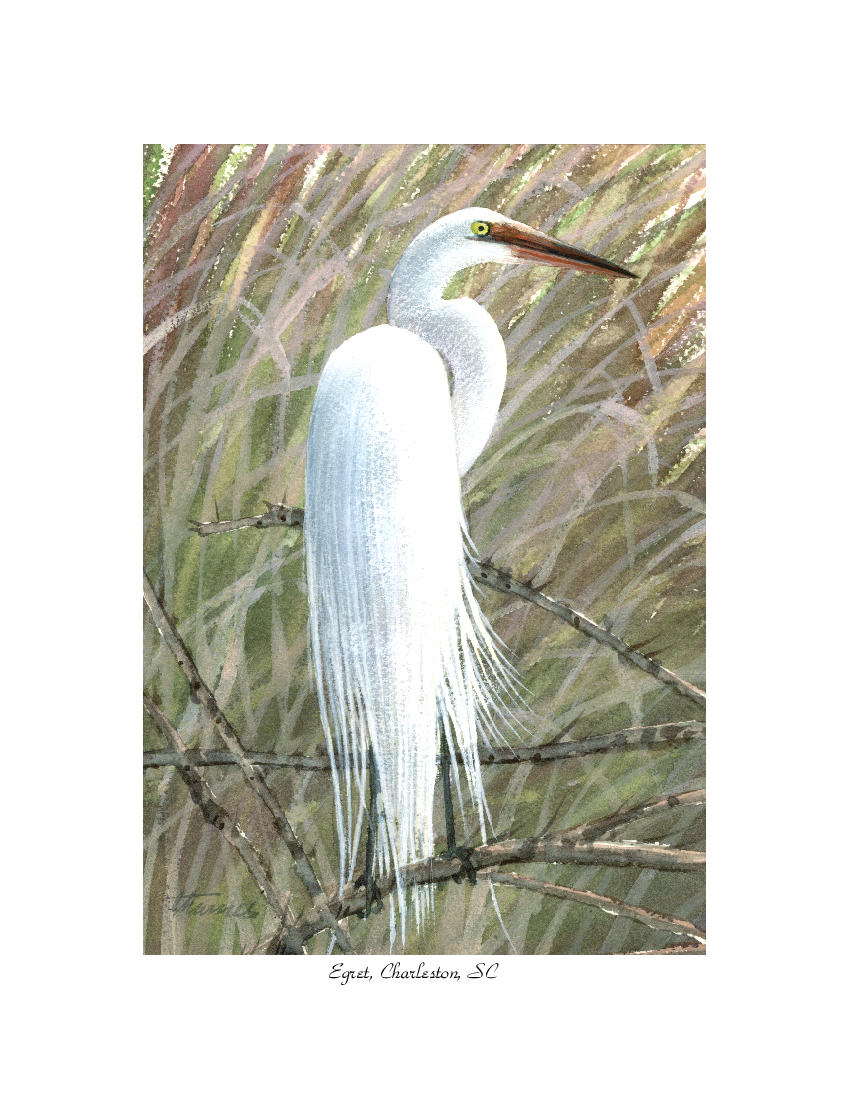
(659, 921)
(634, 735)
(672, 949)
(557, 848)
(279, 515)
(208, 758)
(254, 777)
(596, 829)
(504, 582)
(216, 815)
(561, 750)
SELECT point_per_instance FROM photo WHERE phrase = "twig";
(254, 777)
(280, 515)
(634, 735)
(504, 582)
(659, 921)
(596, 829)
(557, 848)
(562, 750)
(218, 817)
(672, 949)
(215, 757)
(554, 849)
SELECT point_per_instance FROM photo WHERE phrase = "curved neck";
(463, 333)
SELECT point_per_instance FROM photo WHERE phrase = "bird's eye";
(480, 229)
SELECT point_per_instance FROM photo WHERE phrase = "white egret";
(402, 653)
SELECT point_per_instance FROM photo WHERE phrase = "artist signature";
(187, 902)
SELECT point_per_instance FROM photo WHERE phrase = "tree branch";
(253, 776)
(659, 921)
(504, 582)
(280, 515)
(560, 847)
(560, 750)
(596, 829)
(672, 949)
(216, 815)
(554, 849)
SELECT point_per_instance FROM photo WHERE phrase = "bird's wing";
(397, 636)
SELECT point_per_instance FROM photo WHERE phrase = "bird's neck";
(469, 342)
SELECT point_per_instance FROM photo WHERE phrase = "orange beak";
(535, 247)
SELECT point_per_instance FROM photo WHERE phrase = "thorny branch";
(556, 848)
(281, 515)
(596, 829)
(278, 515)
(686, 948)
(254, 777)
(504, 582)
(578, 845)
(560, 750)
(218, 817)
(659, 921)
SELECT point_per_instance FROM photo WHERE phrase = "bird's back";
(398, 639)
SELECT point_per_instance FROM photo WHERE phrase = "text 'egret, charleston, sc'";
(403, 655)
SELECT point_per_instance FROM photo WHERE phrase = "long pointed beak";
(535, 247)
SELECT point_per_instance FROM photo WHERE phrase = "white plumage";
(398, 639)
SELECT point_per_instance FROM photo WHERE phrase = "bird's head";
(476, 235)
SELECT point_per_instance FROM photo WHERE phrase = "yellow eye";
(480, 229)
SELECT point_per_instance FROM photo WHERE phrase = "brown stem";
(561, 750)
(672, 949)
(217, 816)
(553, 849)
(503, 582)
(659, 921)
(253, 776)
(596, 829)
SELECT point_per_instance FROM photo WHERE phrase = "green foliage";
(263, 260)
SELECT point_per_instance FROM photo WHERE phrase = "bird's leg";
(453, 851)
(367, 880)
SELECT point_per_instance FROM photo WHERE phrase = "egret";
(405, 661)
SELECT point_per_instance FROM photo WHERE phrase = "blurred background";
(259, 261)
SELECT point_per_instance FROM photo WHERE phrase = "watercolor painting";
(424, 520)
